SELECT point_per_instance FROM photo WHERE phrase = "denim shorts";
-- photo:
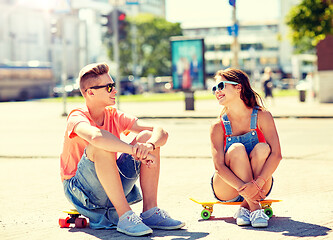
(238, 198)
(86, 193)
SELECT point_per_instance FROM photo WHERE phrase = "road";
(31, 196)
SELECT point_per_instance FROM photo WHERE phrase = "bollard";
(302, 95)
(189, 100)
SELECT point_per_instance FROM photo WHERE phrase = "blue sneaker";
(242, 216)
(259, 218)
(130, 224)
(160, 219)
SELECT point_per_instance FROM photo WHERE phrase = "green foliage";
(310, 22)
(152, 45)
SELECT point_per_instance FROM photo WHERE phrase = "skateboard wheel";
(269, 212)
(205, 214)
(63, 222)
(80, 222)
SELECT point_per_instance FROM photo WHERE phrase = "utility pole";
(116, 47)
(235, 34)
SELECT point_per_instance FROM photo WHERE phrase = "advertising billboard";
(188, 63)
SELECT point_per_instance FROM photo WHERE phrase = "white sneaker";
(259, 218)
(242, 216)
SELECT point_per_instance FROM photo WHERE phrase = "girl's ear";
(239, 87)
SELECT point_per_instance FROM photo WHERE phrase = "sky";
(215, 12)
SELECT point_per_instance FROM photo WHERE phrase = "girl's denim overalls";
(249, 140)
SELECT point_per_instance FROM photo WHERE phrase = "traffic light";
(122, 24)
(107, 23)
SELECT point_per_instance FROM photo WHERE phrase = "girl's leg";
(237, 160)
(258, 157)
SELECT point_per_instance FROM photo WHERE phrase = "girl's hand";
(250, 192)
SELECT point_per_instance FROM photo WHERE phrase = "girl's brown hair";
(250, 97)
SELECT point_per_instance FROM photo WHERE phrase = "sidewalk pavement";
(280, 107)
(32, 199)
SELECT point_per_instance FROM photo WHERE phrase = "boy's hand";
(149, 161)
(140, 151)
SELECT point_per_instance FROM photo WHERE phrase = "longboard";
(74, 218)
(208, 206)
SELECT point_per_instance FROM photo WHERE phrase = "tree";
(310, 21)
(152, 44)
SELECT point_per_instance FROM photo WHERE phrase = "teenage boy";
(100, 185)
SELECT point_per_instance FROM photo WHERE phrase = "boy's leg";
(149, 177)
(108, 175)
(151, 215)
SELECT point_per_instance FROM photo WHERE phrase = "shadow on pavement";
(285, 225)
(108, 234)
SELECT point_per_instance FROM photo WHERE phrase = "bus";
(20, 82)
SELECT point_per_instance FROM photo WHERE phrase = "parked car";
(72, 88)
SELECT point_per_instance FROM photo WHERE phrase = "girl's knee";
(261, 150)
(235, 152)
(236, 149)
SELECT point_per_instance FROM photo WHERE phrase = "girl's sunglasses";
(109, 87)
(221, 85)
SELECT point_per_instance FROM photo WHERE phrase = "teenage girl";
(245, 147)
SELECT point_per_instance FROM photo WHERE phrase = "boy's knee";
(143, 136)
(93, 153)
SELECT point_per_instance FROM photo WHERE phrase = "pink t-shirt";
(115, 122)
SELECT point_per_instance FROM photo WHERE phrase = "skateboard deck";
(208, 206)
(73, 218)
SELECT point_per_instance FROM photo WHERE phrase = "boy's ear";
(90, 92)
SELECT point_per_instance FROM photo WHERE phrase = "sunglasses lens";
(110, 87)
(220, 86)
(214, 89)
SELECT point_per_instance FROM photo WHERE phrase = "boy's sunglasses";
(109, 87)
(221, 85)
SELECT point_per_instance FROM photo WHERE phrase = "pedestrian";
(245, 147)
(267, 83)
(98, 183)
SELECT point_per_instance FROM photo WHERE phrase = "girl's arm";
(267, 126)
(217, 147)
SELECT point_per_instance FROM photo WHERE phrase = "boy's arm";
(102, 139)
(159, 135)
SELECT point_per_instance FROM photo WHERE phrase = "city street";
(32, 200)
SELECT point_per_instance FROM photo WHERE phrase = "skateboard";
(208, 207)
(73, 217)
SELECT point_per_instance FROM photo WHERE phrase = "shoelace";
(134, 218)
(242, 212)
(258, 214)
(163, 213)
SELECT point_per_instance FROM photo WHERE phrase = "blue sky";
(216, 12)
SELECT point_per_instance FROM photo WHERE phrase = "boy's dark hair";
(90, 73)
